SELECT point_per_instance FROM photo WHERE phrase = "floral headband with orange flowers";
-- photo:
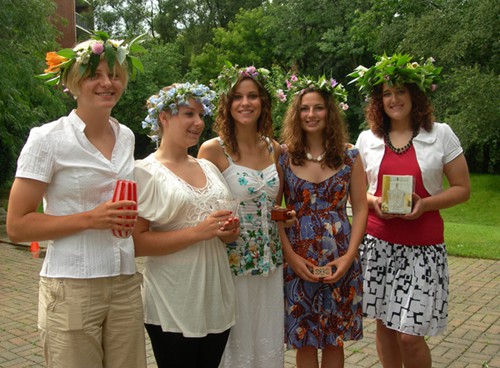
(88, 55)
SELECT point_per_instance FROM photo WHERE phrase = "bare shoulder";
(211, 150)
(209, 147)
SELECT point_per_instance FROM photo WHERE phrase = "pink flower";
(288, 84)
(344, 106)
(250, 72)
(97, 48)
(281, 95)
(294, 78)
(333, 82)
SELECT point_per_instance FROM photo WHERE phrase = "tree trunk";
(486, 158)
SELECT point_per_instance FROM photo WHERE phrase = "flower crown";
(298, 85)
(88, 55)
(396, 70)
(172, 99)
(230, 74)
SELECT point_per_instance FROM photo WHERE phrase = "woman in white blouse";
(188, 295)
(90, 310)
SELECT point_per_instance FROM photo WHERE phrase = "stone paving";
(472, 339)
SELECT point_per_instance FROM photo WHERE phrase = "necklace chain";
(401, 150)
(315, 159)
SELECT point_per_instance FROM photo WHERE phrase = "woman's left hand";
(291, 219)
(418, 208)
(232, 224)
(229, 231)
(340, 266)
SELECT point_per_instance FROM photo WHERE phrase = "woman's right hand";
(375, 203)
(301, 266)
(120, 215)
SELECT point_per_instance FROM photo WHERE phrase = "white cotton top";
(433, 149)
(79, 178)
(190, 291)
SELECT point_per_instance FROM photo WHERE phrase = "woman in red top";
(404, 255)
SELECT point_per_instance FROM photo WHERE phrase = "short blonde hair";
(72, 79)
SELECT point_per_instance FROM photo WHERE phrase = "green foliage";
(242, 43)
(466, 104)
(192, 38)
(460, 33)
(121, 18)
(161, 69)
(24, 100)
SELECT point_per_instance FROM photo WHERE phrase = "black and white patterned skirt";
(405, 287)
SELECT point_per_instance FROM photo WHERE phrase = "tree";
(242, 43)
(464, 38)
(120, 18)
(24, 100)
(460, 33)
(473, 115)
(161, 68)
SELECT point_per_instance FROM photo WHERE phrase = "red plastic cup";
(125, 190)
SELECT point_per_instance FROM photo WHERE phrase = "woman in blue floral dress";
(246, 155)
(323, 278)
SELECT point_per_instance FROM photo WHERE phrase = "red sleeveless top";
(428, 229)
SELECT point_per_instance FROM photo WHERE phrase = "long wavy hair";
(335, 135)
(421, 115)
(225, 126)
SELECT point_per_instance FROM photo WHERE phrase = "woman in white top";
(246, 155)
(188, 294)
(90, 310)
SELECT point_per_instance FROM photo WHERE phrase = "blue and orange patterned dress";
(318, 314)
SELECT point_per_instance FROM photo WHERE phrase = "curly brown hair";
(224, 125)
(422, 111)
(335, 135)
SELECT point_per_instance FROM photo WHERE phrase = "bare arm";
(357, 194)
(457, 174)
(24, 223)
(292, 219)
(299, 265)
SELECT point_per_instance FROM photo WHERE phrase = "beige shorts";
(92, 322)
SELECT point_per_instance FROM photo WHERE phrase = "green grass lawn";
(472, 229)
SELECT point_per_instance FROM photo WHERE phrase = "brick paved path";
(472, 339)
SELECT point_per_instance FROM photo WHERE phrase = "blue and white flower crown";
(174, 97)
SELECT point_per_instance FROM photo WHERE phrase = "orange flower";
(54, 60)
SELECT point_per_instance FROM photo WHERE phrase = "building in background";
(74, 15)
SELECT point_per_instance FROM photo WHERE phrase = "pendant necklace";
(401, 150)
(315, 159)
